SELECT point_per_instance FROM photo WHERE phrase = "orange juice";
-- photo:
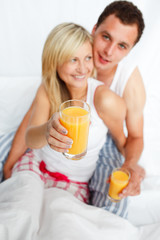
(76, 120)
(119, 180)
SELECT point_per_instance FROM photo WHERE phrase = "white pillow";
(16, 95)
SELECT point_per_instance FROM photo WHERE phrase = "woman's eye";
(73, 60)
(88, 58)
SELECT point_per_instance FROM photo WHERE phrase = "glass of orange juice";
(118, 181)
(75, 117)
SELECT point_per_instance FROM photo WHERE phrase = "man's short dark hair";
(127, 13)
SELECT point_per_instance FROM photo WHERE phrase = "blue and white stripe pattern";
(109, 158)
(5, 145)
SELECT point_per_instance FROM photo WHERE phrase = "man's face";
(112, 42)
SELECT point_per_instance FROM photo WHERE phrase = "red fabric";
(58, 176)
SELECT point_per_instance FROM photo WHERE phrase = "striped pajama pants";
(109, 158)
(31, 164)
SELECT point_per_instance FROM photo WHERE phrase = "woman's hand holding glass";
(56, 134)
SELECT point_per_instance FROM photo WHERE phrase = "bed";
(24, 26)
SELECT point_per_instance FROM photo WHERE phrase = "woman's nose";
(81, 67)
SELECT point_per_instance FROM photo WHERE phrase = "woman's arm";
(54, 135)
(18, 147)
(112, 110)
(42, 130)
(37, 127)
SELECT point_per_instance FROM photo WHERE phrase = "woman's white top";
(79, 170)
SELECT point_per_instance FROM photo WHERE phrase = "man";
(118, 29)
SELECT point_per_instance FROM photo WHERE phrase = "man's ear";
(94, 29)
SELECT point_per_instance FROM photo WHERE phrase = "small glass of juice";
(118, 181)
(75, 117)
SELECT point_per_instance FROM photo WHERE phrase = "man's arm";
(18, 145)
(134, 96)
(112, 110)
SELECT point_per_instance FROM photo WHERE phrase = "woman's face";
(78, 68)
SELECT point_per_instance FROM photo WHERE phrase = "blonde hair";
(60, 45)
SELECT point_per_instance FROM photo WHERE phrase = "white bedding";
(30, 213)
(80, 221)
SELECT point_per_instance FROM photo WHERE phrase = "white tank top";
(122, 75)
(80, 170)
(124, 70)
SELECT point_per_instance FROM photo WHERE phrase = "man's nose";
(109, 49)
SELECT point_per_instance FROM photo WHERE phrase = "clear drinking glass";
(119, 180)
(75, 117)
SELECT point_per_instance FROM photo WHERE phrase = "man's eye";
(122, 46)
(106, 37)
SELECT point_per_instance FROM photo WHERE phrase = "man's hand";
(56, 135)
(137, 174)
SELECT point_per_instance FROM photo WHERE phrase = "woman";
(67, 68)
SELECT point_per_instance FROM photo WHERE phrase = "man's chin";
(100, 66)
